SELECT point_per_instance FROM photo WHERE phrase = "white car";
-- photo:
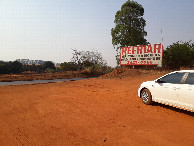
(174, 89)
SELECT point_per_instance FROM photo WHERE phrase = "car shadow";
(174, 109)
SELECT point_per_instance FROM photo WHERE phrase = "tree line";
(17, 67)
(81, 60)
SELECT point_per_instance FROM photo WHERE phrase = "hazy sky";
(50, 29)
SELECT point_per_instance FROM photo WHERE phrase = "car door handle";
(190, 88)
(176, 88)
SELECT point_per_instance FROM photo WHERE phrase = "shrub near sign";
(142, 55)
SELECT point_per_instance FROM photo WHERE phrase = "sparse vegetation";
(90, 60)
(180, 54)
(84, 64)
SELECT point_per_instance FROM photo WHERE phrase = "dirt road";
(89, 112)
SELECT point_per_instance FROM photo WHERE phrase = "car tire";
(146, 97)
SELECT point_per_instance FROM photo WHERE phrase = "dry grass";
(43, 76)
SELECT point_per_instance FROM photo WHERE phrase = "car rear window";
(190, 79)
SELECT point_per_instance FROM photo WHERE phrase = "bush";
(48, 70)
(49, 64)
(178, 55)
(68, 66)
(88, 60)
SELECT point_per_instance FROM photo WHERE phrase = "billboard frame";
(162, 48)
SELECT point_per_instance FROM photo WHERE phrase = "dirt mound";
(121, 73)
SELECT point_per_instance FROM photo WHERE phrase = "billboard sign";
(142, 55)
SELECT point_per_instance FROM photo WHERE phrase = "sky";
(49, 29)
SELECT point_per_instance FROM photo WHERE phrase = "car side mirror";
(156, 81)
(159, 81)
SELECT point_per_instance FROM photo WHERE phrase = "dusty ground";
(89, 112)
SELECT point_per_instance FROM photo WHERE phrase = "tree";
(129, 26)
(190, 44)
(48, 65)
(16, 67)
(178, 55)
(88, 59)
(3, 67)
(39, 68)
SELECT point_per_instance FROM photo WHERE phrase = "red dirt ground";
(89, 112)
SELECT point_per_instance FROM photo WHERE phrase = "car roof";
(185, 71)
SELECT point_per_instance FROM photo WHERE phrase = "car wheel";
(146, 96)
